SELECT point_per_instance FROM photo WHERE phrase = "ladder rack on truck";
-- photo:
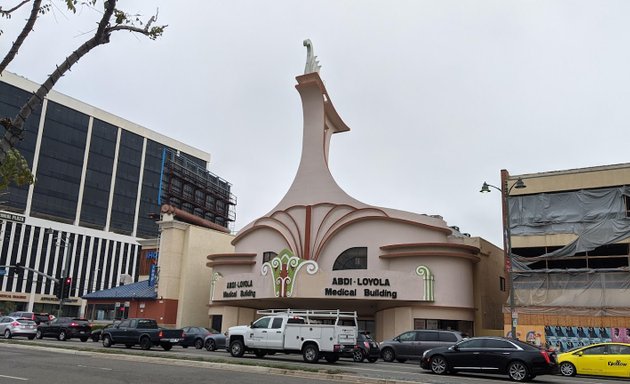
(308, 314)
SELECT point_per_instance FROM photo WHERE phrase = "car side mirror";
(580, 353)
(455, 348)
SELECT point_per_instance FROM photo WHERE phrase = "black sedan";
(496, 355)
(64, 328)
(196, 336)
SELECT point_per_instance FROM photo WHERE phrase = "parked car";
(603, 359)
(64, 328)
(141, 331)
(215, 341)
(11, 326)
(497, 355)
(365, 348)
(195, 336)
(96, 334)
(412, 344)
(36, 317)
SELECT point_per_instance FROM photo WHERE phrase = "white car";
(11, 326)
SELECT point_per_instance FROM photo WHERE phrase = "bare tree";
(13, 167)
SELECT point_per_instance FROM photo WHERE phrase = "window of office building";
(98, 177)
(352, 258)
(126, 187)
(60, 164)
(11, 100)
(147, 228)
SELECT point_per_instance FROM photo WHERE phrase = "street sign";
(11, 217)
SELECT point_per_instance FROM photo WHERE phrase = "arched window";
(267, 256)
(351, 258)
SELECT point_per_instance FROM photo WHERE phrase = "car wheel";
(260, 353)
(517, 371)
(567, 369)
(84, 339)
(184, 346)
(95, 339)
(198, 343)
(331, 357)
(167, 346)
(237, 349)
(7, 334)
(388, 355)
(39, 334)
(62, 336)
(31, 337)
(145, 343)
(310, 353)
(401, 360)
(438, 365)
(210, 345)
(372, 359)
(107, 341)
(358, 356)
(128, 346)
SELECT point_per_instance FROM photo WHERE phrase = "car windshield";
(211, 330)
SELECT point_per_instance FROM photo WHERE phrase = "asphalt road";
(44, 362)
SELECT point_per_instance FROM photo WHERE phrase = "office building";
(100, 182)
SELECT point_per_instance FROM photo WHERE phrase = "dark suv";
(64, 328)
(365, 348)
(412, 344)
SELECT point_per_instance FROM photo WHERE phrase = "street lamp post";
(507, 236)
(65, 272)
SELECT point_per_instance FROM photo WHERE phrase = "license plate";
(81, 331)
(174, 340)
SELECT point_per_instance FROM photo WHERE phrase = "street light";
(507, 234)
(65, 272)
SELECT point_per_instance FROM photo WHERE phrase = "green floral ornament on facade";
(284, 269)
(429, 282)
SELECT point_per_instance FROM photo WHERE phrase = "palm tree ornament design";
(284, 269)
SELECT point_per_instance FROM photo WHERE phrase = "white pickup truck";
(313, 333)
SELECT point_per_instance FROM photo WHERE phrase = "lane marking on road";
(94, 367)
(14, 378)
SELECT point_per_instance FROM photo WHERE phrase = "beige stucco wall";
(183, 273)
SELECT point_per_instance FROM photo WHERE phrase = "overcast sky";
(439, 95)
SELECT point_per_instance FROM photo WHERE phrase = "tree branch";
(28, 27)
(7, 13)
(14, 128)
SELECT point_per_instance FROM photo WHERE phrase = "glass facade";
(60, 164)
(147, 228)
(126, 188)
(11, 100)
(98, 176)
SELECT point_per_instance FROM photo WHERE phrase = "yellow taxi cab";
(603, 359)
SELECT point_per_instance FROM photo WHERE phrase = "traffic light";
(18, 270)
(67, 286)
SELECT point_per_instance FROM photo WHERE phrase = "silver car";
(15, 326)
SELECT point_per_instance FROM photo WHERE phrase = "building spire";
(312, 64)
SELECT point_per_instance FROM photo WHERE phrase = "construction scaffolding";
(188, 186)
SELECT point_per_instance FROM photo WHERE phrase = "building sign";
(11, 217)
(152, 275)
(236, 289)
(361, 286)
